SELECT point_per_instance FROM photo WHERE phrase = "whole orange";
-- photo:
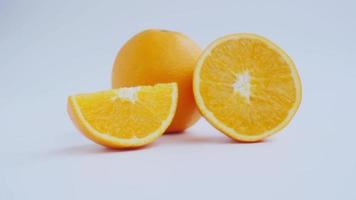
(160, 56)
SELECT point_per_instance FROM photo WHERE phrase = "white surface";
(49, 50)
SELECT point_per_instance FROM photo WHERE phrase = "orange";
(159, 56)
(124, 117)
(247, 87)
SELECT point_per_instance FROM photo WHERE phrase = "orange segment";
(125, 117)
(246, 86)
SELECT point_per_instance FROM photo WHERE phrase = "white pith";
(242, 84)
(129, 94)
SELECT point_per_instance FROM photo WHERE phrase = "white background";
(49, 50)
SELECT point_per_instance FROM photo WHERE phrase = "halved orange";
(125, 117)
(246, 86)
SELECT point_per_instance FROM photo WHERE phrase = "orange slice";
(125, 117)
(247, 87)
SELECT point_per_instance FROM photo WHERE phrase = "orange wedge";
(125, 117)
(247, 87)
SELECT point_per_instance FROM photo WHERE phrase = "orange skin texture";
(159, 56)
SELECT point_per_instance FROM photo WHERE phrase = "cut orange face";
(125, 117)
(247, 87)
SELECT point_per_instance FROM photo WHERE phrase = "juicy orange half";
(125, 117)
(247, 87)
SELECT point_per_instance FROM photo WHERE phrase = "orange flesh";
(272, 90)
(124, 118)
